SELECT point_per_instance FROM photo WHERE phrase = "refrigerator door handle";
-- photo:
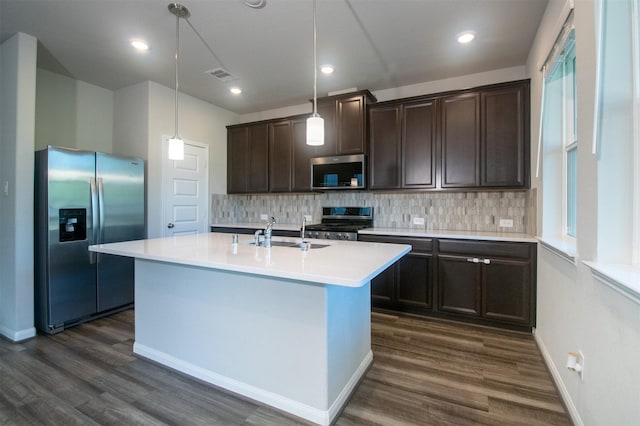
(101, 210)
(93, 256)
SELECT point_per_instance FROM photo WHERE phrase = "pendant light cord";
(315, 66)
(177, 48)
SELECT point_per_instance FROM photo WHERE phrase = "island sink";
(288, 244)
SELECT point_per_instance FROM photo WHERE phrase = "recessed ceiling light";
(327, 69)
(235, 90)
(256, 4)
(140, 45)
(466, 37)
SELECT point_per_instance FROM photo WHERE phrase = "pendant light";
(315, 123)
(176, 144)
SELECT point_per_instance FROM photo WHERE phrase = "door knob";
(170, 225)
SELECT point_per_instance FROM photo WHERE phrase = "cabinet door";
(327, 110)
(237, 159)
(384, 149)
(382, 288)
(504, 158)
(302, 154)
(418, 145)
(414, 280)
(460, 140)
(458, 285)
(350, 125)
(506, 290)
(280, 156)
(258, 152)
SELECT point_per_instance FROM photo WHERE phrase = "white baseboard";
(316, 415)
(19, 335)
(564, 393)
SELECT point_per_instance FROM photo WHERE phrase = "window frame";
(570, 135)
(557, 141)
(635, 44)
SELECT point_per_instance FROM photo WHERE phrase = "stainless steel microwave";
(339, 172)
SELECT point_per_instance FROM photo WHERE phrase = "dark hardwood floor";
(425, 372)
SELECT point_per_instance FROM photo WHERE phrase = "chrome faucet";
(304, 223)
(267, 231)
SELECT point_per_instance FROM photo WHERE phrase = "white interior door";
(186, 191)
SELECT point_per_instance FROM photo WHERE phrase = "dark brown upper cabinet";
(385, 147)
(344, 123)
(474, 139)
(460, 140)
(505, 152)
(419, 144)
(402, 146)
(237, 159)
(248, 158)
(280, 156)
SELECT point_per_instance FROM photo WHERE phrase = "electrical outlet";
(308, 217)
(264, 217)
(506, 223)
(418, 220)
(5, 188)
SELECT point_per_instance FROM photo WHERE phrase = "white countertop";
(344, 263)
(466, 235)
(406, 232)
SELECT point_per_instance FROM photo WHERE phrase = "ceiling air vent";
(222, 75)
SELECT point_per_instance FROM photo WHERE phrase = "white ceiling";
(374, 44)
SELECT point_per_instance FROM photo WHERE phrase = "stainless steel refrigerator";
(84, 198)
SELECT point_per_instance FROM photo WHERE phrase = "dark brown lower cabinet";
(486, 282)
(459, 285)
(406, 285)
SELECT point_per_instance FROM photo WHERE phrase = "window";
(617, 146)
(617, 133)
(559, 138)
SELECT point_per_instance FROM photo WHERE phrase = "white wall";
(575, 311)
(436, 86)
(55, 110)
(144, 113)
(17, 111)
(94, 118)
(72, 113)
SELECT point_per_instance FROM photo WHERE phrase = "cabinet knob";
(486, 261)
(170, 225)
(473, 260)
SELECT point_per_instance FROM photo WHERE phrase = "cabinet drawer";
(485, 248)
(417, 244)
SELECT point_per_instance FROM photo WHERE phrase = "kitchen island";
(280, 325)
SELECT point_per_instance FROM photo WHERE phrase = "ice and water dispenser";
(73, 224)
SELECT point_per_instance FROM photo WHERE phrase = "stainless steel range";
(341, 223)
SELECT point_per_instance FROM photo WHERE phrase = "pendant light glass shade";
(315, 123)
(315, 130)
(176, 148)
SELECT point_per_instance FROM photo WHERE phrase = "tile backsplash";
(449, 211)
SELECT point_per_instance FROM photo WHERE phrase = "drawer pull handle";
(474, 260)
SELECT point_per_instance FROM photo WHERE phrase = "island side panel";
(262, 337)
(349, 341)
